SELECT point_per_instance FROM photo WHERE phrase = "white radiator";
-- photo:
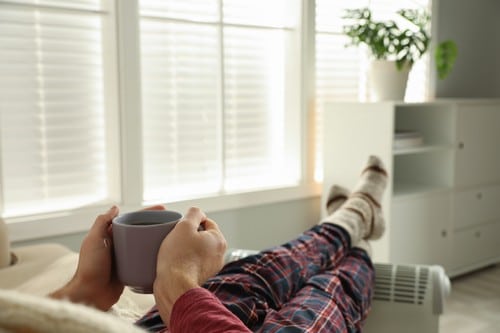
(407, 298)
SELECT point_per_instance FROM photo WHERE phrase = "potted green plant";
(395, 47)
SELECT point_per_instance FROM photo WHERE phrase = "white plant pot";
(386, 82)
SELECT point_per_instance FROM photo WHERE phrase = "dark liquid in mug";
(144, 223)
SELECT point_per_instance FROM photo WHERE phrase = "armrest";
(30, 261)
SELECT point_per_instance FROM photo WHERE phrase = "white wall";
(475, 27)
(256, 227)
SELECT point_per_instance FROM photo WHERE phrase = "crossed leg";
(316, 282)
(335, 300)
(330, 294)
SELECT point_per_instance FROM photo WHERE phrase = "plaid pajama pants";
(315, 283)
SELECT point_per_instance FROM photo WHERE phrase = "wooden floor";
(474, 303)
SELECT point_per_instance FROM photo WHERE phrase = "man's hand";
(190, 254)
(95, 282)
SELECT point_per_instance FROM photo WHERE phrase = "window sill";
(80, 220)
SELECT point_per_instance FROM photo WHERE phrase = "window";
(341, 72)
(54, 141)
(219, 96)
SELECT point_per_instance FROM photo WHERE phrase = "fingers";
(213, 228)
(209, 224)
(196, 220)
(103, 221)
(194, 217)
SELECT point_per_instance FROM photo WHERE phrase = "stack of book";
(407, 139)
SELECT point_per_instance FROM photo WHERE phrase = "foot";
(368, 192)
(336, 198)
(361, 215)
(373, 180)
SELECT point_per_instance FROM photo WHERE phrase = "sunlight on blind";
(51, 101)
(215, 96)
(341, 72)
(181, 108)
(275, 13)
(254, 112)
(63, 4)
(195, 10)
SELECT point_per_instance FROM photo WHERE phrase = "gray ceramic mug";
(137, 238)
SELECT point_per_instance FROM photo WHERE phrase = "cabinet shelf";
(421, 149)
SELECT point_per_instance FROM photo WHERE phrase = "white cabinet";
(476, 195)
(478, 143)
(440, 205)
(420, 229)
(475, 247)
(475, 206)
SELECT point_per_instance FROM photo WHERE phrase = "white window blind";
(341, 72)
(54, 138)
(219, 96)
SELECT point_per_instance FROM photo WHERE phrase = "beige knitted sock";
(364, 245)
(336, 198)
(349, 220)
(361, 214)
(367, 197)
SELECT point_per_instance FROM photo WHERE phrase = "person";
(322, 281)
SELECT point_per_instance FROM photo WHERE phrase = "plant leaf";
(445, 55)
